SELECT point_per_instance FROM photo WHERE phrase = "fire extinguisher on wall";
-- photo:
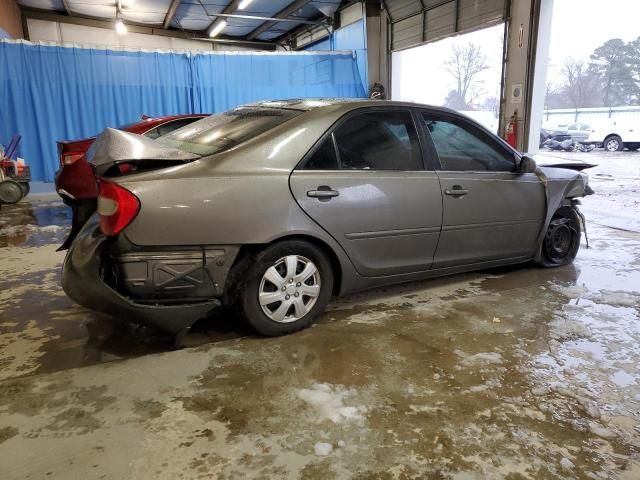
(511, 131)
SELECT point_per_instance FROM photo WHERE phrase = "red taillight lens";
(117, 207)
(69, 158)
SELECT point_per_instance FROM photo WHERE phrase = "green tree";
(612, 63)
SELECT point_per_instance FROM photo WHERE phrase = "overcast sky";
(578, 28)
(581, 26)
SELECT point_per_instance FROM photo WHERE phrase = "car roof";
(306, 104)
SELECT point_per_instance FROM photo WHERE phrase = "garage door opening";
(591, 88)
(462, 72)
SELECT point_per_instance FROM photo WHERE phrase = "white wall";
(48, 31)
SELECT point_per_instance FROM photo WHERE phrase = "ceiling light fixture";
(218, 28)
(244, 4)
(121, 28)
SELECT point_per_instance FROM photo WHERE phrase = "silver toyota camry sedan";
(277, 206)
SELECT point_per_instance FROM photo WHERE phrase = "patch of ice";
(601, 431)
(328, 403)
(566, 464)
(483, 358)
(623, 379)
(367, 318)
(562, 329)
(617, 299)
(322, 449)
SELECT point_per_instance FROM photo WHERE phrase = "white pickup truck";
(615, 136)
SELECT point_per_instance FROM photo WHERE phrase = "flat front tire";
(561, 242)
(287, 288)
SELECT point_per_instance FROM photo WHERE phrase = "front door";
(365, 183)
(490, 211)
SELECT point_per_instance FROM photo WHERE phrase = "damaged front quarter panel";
(562, 187)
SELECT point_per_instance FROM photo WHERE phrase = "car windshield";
(223, 131)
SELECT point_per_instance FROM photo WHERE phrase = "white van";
(616, 135)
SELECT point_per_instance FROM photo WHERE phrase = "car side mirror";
(527, 165)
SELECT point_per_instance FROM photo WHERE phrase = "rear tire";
(613, 144)
(286, 289)
(10, 191)
(561, 241)
(25, 188)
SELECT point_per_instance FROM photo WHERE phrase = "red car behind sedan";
(75, 181)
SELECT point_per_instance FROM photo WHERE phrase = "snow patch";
(483, 358)
(563, 329)
(328, 403)
(322, 449)
(617, 299)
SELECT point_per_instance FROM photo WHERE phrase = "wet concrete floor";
(511, 373)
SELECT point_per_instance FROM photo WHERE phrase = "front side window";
(461, 147)
(222, 131)
(378, 141)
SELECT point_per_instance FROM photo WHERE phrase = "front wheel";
(287, 288)
(562, 240)
(613, 144)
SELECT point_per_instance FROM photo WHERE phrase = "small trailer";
(14, 174)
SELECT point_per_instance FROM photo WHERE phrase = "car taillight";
(69, 158)
(117, 207)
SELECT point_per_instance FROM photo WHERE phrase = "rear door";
(366, 184)
(491, 212)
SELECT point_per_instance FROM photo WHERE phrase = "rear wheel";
(10, 191)
(562, 239)
(287, 288)
(613, 144)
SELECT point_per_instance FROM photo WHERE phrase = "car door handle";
(456, 191)
(323, 193)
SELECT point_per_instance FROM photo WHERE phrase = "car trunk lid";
(115, 148)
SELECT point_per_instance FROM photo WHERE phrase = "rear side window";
(462, 147)
(324, 158)
(226, 130)
(169, 127)
(379, 141)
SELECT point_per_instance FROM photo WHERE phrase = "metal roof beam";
(232, 7)
(66, 8)
(282, 14)
(168, 18)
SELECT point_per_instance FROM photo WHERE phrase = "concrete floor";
(512, 373)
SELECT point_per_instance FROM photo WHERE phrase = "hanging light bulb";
(121, 28)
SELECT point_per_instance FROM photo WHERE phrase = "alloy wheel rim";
(612, 145)
(289, 289)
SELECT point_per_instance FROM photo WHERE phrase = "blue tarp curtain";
(351, 37)
(49, 93)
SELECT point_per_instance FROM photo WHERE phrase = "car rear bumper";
(82, 281)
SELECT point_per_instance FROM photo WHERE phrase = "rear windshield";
(223, 131)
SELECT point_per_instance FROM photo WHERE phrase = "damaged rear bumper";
(89, 261)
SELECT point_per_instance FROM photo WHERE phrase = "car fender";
(561, 186)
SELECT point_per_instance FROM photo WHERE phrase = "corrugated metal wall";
(414, 22)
